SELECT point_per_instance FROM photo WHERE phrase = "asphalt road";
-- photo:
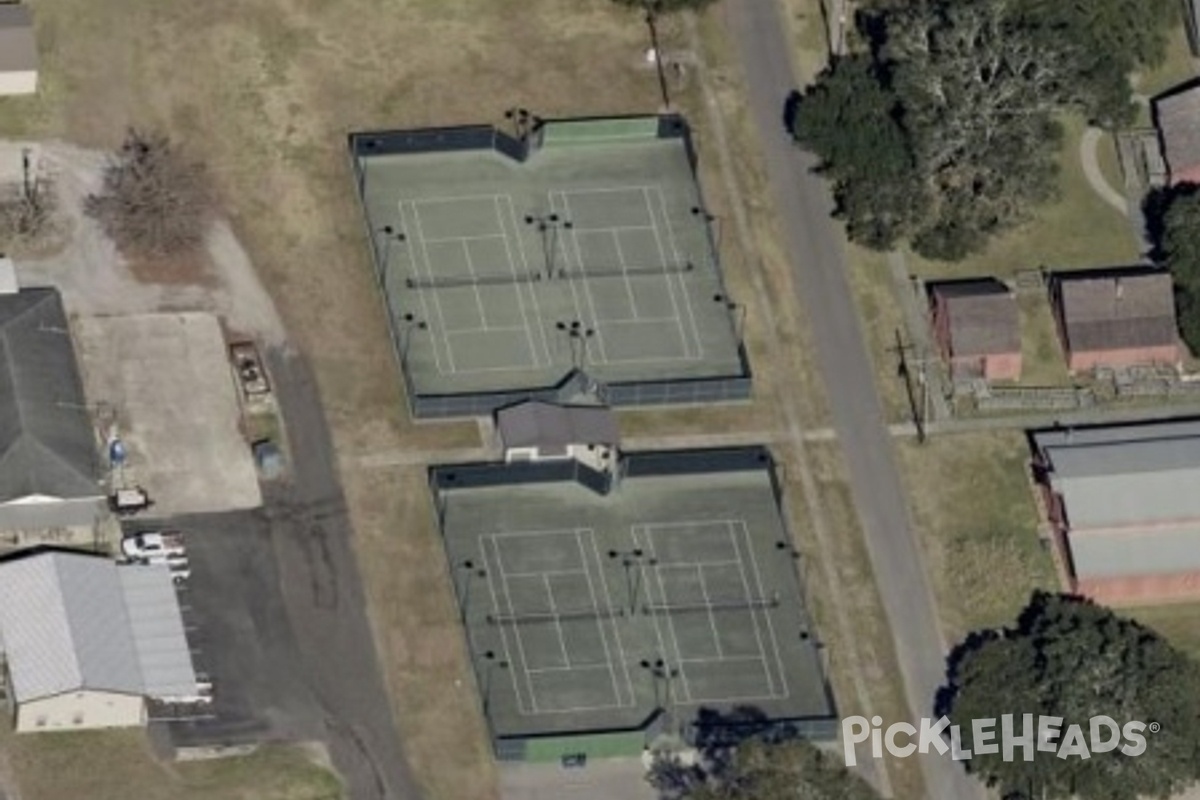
(324, 600)
(818, 259)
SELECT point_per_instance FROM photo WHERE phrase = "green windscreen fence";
(598, 745)
(599, 131)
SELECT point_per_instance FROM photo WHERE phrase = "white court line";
(783, 691)
(687, 301)
(413, 261)
(535, 532)
(561, 243)
(608, 656)
(720, 524)
(504, 636)
(654, 617)
(723, 660)
(533, 295)
(694, 565)
(625, 276)
(475, 286)
(499, 329)
(512, 267)
(436, 302)
(486, 237)
(674, 634)
(461, 198)
(670, 287)
(629, 188)
(562, 641)
(572, 668)
(712, 620)
(554, 572)
(624, 659)
(612, 229)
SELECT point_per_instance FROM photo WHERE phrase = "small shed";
(1116, 318)
(18, 51)
(975, 323)
(533, 430)
(1177, 118)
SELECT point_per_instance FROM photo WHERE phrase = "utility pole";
(915, 408)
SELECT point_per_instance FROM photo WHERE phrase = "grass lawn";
(974, 508)
(118, 765)
(1178, 67)
(810, 36)
(1042, 360)
(1178, 622)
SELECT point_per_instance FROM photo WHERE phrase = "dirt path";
(96, 281)
(1088, 145)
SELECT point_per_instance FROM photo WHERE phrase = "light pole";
(709, 219)
(633, 580)
(408, 323)
(575, 332)
(491, 663)
(651, 7)
(661, 670)
(548, 226)
(737, 309)
(391, 236)
(468, 569)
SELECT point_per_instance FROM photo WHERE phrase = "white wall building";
(87, 641)
(538, 431)
(18, 51)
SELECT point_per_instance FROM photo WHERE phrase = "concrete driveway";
(168, 378)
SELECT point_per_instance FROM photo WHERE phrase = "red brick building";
(1177, 117)
(1116, 318)
(975, 323)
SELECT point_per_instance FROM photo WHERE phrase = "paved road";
(324, 599)
(804, 203)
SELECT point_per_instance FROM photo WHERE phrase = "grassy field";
(118, 765)
(1178, 67)
(974, 508)
(1178, 622)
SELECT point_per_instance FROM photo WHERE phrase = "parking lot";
(241, 637)
(168, 380)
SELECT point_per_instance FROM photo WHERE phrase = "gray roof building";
(982, 316)
(73, 621)
(1128, 496)
(552, 428)
(18, 48)
(47, 446)
(1177, 117)
(1117, 309)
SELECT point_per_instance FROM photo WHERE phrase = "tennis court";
(593, 254)
(588, 613)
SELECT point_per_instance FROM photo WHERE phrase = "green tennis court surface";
(594, 253)
(588, 613)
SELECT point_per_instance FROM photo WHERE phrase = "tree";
(1180, 248)
(958, 101)
(760, 770)
(154, 201)
(1072, 659)
(853, 125)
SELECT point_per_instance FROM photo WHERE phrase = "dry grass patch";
(1178, 622)
(974, 508)
(119, 765)
(849, 582)
(1042, 359)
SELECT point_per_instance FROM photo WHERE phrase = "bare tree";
(155, 201)
(27, 209)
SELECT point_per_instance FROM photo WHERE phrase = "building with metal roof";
(1123, 508)
(86, 641)
(1116, 318)
(975, 322)
(49, 467)
(18, 50)
(537, 431)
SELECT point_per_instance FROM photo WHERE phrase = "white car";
(154, 547)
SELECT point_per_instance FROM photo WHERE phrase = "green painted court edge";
(597, 745)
